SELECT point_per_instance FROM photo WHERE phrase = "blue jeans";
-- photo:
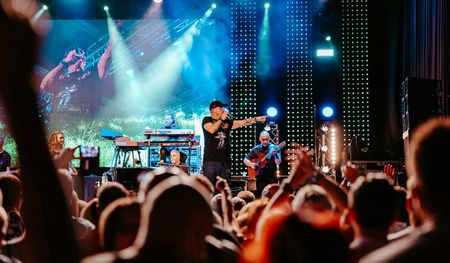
(212, 169)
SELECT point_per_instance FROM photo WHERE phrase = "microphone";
(230, 115)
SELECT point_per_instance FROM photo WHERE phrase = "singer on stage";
(216, 130)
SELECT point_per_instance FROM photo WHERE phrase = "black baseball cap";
(216, 103)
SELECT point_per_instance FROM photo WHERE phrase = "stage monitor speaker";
(422, 99)
(128, 177)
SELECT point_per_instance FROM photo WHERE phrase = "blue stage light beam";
(272, 112)
(263, 55)
(162, 75)
(126, 77)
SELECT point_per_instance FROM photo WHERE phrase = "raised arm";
(227, 206)
(104, 62)
(49, 79)
(50, 237)
(56, 72)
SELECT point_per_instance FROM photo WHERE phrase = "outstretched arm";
(249, 121)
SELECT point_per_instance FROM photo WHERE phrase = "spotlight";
(266, 5)
(327, 38)
(324, 128)
(325, 52)
(106, 8)
(324, 148)
(213, 5)
(130, 72)
(157, 1)
(327, 111)
(45, 7)
(272, 112)
(325, 169)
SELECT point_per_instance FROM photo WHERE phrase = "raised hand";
(73, 56)
(301, 164)
(221, 184)
(390, 171)
(66, 155)
(351, 172)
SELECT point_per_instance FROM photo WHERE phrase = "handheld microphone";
(229, 114)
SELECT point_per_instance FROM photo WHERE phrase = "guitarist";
(266, 170)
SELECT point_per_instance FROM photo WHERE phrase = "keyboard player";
(175, 160)
(169, 123)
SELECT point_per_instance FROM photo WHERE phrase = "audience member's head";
(296, 241)
(425, 164)
(119, 223)
(269, 190)
(90, 211)
(151, 179)
(108, 193)
(313, 205)
(11, 188)
(238, 203)
(205, 182)
(372, 202)
(176, 218)
(249, 216)
(312, 197)
(247, 196)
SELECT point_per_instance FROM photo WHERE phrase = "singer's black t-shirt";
(218, 144)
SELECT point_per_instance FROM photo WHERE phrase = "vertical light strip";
(300, 115)
(243, 78)
(333, 146)
(355, 65)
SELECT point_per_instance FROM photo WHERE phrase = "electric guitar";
(262, 160)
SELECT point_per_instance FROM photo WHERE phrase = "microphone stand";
(349, 146)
